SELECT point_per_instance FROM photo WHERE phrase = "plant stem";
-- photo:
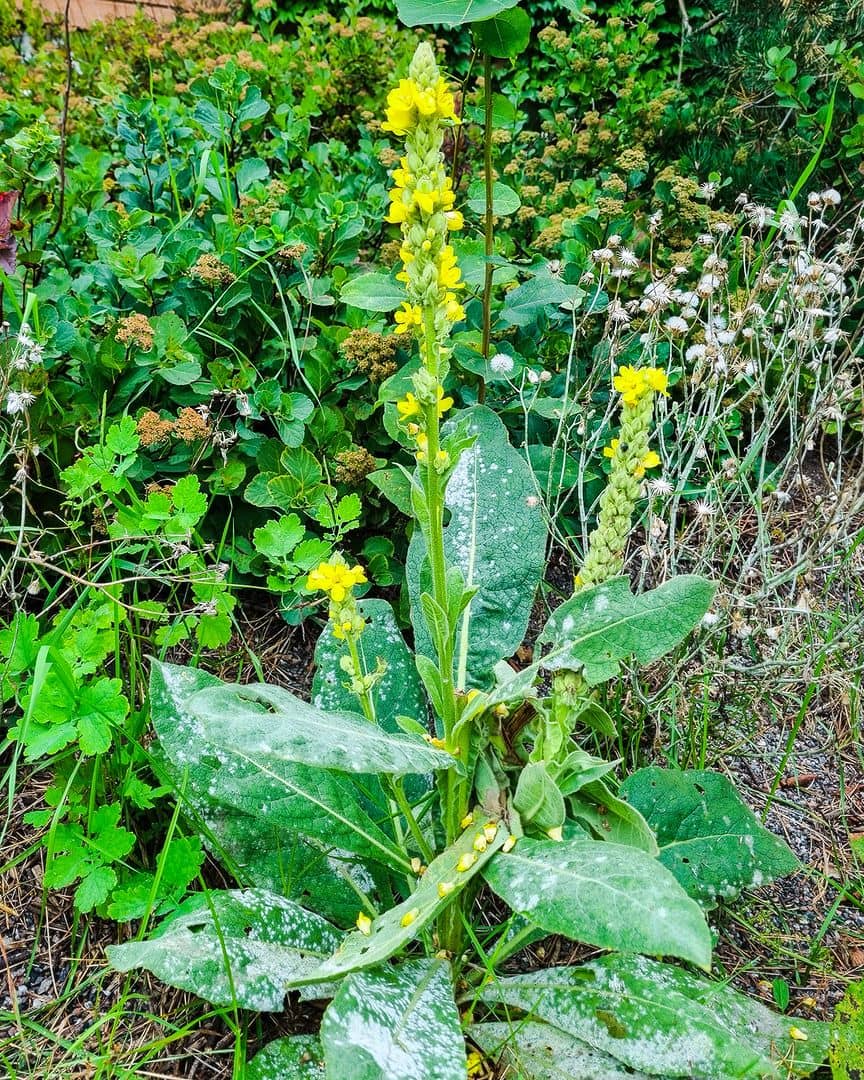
(489, 234)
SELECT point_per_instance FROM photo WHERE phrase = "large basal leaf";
(449, 13)
(440, 884)
(597, 628)
(497, 537)
(271, 726)
(395, 1023)
(607, 895)
(317, 804)
(664, 1021)
(711, 841)
(530, 1051)
(399, 693)
(248, 946)
(298, 1057)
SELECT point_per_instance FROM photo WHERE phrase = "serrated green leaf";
(441, 882)
(712, 843)
(278, 539)
(664, 1021)
(497, 538)
(95, 888)
(527, 1050)
(269, 726)
(395, 1023)
(449, 13)
(122, 437)
(101, 707)
(245, 946)
(603, 894)
(297, 1057)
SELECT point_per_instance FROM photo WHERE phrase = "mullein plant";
(403, 836)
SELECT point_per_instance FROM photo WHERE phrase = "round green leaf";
(505, 35)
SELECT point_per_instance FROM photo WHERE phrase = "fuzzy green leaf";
(246, 808)
(603, 894)
(269, 726)
(248, 947)
(399, 692)
(598, 628)
(297, 1057)
(530, 1051)
(497, 538)
(664, 1021)
(392, 930)
(395, 1023)
(711, 841)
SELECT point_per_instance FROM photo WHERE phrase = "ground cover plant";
(568, 439)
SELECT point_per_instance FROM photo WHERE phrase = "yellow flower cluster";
(335, 579)
(634, 383)
(410, 103)
(407, 317)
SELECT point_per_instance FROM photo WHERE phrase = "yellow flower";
(445, 888)
(466, 861)
(409, 917)
(444, 403)
(634, 383)
(449, 273)
(336, 579)
(342, 629)
(453, 309)
(508, 844)
(401, 108)
(650, 461)
(466, 821)
(422, 444)
(797, 1034)
(657, 380)
(407, 316)
(455, 220)
(364, 924)
(408, 406)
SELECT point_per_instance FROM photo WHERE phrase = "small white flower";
(705, 240)
(789, 220)
(782, 497)
(532, 377)
(614, 240)
(814, 200)
(659, 486)
(708, 190)
(654, 221)
(602, 256)
(695, 352)
(618, 314)
(710, 618)
(501, 363)
(545, 376)
(704, 509)
(676, 325)
(19, 401)
(656, 296)
(832, 335)
(626, 257)
(708, 285)
(831, 197)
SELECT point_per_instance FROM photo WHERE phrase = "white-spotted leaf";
(664, 1021)
(712, 843)
(604, 894)
(395, 1023)
(248, 947)
(497, 537)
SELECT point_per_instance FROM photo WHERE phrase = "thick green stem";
(489, 234)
